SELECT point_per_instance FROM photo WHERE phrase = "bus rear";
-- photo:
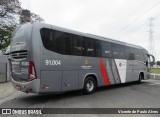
(24, 76)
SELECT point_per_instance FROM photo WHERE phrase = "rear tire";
(140, 79)
(89, 85)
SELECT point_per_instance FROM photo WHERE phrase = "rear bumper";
(28, 87)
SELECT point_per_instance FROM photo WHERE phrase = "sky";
(123, 20)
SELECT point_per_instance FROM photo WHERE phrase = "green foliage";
(155, 70)
(5, 35)
(9, 10)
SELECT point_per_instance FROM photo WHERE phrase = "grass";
(155, 70)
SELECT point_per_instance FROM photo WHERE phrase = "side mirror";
(153, 58)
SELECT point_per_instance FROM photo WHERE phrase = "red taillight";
(32, 71)
(18, 87)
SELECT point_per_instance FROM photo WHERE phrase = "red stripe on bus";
(104, 74)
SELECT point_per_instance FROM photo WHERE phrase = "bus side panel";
(121, 69)
(109, 71)
(36, 52)
(146, 72)
(89, 66)
(138, 67)
(94, 67)
(70, 80)
(51, 71)
(51, 81)
(115, 72)
(141, 67)
(70, 72)
(130, 70)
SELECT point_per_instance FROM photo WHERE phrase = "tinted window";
(46, 35)
(119, 51)
(139, 54)
(98, 49)
(53, 40)
(130, 53)
(106, 49)
(59, 42)
(74, 45)
(90, 47)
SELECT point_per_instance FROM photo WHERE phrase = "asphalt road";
(144, 95)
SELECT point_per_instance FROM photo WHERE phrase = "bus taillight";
(32, 71)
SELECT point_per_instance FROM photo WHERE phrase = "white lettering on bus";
(15, 63)
(25, 63)
(53, 62)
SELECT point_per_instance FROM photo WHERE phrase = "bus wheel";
(140, 79)
(89, 85)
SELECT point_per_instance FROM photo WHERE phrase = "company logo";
(122, 64)
(6, 111)
(86, 62)
(21, 111)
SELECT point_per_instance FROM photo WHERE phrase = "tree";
(10, 11)
(5, 35)
(8, 8)
(27, 16)
(36, 18)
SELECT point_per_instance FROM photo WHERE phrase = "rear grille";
(19, 54)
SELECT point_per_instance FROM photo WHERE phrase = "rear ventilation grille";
(19, 54)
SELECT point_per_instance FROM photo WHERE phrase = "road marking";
(154, 84)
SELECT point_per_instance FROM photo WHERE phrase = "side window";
(53, 40)
(46, 35)
(90, 47)
(119, 51)
(73, 44)
(98, 49)
(59, 42)
(106, 49)
(68, 38)
(76, 45)
(139, 55)
(130, 53)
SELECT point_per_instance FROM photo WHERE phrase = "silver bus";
(51, 59)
